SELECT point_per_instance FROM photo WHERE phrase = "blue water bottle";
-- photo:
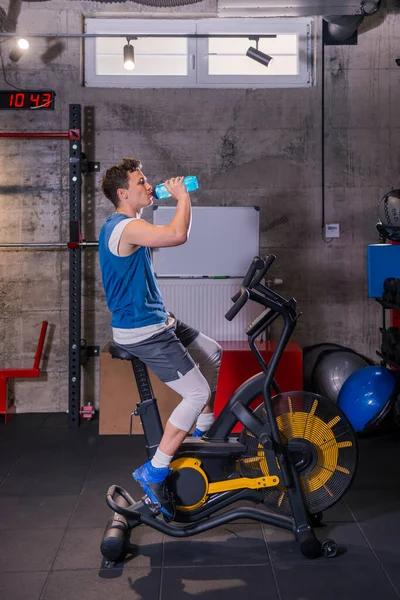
(190, 182)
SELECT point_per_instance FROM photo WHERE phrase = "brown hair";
(117, 177)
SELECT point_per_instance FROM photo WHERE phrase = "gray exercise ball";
(311, 355)
(333, 369)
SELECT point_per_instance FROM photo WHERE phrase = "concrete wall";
(247, 147)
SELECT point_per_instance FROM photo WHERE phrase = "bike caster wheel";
(329, 548)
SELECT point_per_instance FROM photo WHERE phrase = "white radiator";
(202, 303)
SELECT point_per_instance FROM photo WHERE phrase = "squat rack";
(78, 166)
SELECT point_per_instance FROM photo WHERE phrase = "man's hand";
(176, 187)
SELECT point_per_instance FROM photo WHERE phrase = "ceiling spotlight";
(18, 50)
(129, 56)
(257, 55)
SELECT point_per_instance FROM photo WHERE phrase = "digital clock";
(27, 100)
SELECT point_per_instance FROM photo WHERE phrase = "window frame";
(197, 57)
(252, 26)
(150, 26)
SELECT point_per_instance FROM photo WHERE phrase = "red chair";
(6, 374)
(239, 363)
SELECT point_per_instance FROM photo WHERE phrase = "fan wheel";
(320, 443)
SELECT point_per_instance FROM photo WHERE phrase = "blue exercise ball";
(366, 396)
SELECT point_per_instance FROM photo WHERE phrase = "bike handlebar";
(255, 273)
(244, 295)
(256, 264)
(261, 274)
(252, 278)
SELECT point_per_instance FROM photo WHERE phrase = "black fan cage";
(304, 415)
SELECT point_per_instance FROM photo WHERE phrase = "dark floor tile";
(22, 586)
(376, 467)
(122, 446)
(29, 550)
(60, 420)
(30, 512)
(378, 515)
(22, 423)
(81, 548)
(92, 584)
(100, 482)
(383, 533)
(284, 549)
(378, 505)
(7, 462)
(219, 583)
(344, 580)
(59, 451)
(58, 446)
(339, 512)
(390, 562)
(114, 462)
(28, 479)
(92, 509)
(54, 484)
(227, 545)
(381, 481)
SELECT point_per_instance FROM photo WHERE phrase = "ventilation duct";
(3, 20)
(8, 21)
(343, 29)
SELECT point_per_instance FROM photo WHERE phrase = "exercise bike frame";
(219, 442)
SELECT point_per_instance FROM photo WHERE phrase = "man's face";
(139, 192)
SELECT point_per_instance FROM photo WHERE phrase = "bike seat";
(117, 352)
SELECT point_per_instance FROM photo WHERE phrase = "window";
(205, 61)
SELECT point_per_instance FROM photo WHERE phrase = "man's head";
(125, 185)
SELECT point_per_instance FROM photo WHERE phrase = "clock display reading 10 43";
(26, 100)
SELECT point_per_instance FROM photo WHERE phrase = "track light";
(129, 56)
(257, 55)
(18, 50)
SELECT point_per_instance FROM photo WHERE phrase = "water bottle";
(190, 182)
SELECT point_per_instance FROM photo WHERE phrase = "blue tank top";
(129, 282)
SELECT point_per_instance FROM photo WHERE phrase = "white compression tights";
(197, 386)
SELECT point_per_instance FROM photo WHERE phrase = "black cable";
(4, 73)
(11, 84)
(323, 141)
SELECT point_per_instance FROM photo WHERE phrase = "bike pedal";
(154, 507)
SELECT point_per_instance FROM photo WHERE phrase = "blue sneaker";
(198, 433)
(154, 483)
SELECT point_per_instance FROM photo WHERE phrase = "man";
(140, 322)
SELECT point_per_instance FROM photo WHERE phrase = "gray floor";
(53, 513)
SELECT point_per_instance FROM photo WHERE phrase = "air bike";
(296, 454)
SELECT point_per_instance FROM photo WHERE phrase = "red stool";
(239, 363)
(6, 374)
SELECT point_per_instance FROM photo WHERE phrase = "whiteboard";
(223, 241)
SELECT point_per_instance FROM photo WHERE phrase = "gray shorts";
(166, 353)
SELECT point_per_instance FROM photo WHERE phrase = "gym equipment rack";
(78, 166)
